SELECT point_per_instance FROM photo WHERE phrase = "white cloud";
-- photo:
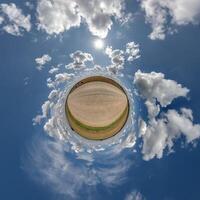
(56, 16)
(152, 108)
(59, 78)
(67, 173)
(49, 127)
(45, 111)
(129, 142)
(132, 51)
(154, 86)
(163, 15)
(41, 61)
(47, 108)
(53, 70)
(62, 77)
(161, 134)
(134, 195)
(15, 22)
(79, 60)
(182, 123)
(117, 59)
(54, 93)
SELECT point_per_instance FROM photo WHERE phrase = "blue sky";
(161, 162)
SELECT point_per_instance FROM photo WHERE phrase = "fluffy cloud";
(163, 15)
(13, 20)
(45, 111)
(53, 70)
(56, 16)
(154, 86)
(117, 59)
(54, 93)
(132, 51)
(79, 60)
(62, 77)
(59, 78)
(41, 61)
(160, 132)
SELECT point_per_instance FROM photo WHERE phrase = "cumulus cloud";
(79, 60)
(53, 70)
(160, 132)
(132, 51)
(117, 59)
(45, 111)
(54, 93)
(13, 20)
(154, 86)
(54, 84)
(41, 61)
(62, 77)
(164, 15)
(134, 195)
(56, 16)
(59, 78)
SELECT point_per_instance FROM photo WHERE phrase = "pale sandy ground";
(97, 104)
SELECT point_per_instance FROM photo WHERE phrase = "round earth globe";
(97, 108)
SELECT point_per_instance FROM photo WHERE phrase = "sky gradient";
(151, 47)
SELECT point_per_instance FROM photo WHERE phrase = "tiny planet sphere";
(97, 108)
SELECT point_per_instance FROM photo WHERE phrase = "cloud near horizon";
(41, 61)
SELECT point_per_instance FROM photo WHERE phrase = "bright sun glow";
(98, 44)
(102, 5)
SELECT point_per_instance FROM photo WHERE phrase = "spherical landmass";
(97, 108)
